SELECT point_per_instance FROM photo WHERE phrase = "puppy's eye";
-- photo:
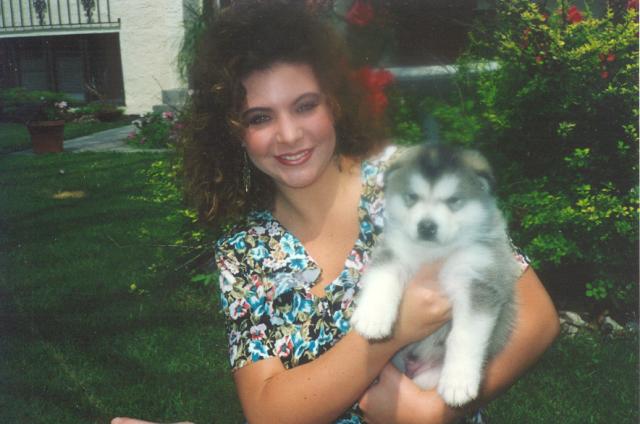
(454, 202)
(410, 199)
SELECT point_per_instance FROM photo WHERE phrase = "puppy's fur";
(440, 207)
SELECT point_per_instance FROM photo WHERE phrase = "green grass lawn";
(79, 345)
(14, 137)
(587, 379)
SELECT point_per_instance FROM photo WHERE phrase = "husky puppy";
(439, 207)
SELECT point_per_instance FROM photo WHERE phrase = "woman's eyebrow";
(304, 96)
(254, 110)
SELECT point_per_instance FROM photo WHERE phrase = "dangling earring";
(246, 173)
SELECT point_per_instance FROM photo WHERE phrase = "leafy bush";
(559, 118)
(103, 112)
(155, 130)
(21, 105)
(405, 118)
(194, 240)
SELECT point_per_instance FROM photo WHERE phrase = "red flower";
(374, 79)
(360, 13)
(379, 103)
(604, 74)
(632, 4)
(573, 15)
(374, 82)
(611, 57)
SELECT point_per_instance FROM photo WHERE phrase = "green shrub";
(21, 105)
(558, 116)
(194, 240)
(103, 112)
(155, 130)
(405, 118)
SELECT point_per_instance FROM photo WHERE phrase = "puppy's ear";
(393, 167)
(480, 165)
(398, 162)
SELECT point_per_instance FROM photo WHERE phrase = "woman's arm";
(395, 399)
(321, 390)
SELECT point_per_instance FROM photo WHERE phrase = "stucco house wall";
(150, 35)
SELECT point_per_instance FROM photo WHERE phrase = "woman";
(284, 139)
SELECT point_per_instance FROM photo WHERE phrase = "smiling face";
(289, 128)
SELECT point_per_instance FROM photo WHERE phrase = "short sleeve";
(243, 300)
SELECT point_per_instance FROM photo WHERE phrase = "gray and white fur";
(439, 207)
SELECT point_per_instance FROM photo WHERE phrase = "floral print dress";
(266, 278)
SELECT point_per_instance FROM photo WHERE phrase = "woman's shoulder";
(374, 166)
(237, 240)
(381, 157)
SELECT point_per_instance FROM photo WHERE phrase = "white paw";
(374, 318)
(458, 385)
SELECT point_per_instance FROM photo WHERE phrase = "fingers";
(431, 303)
(422, 311)
(389, 376)
(392, 400)
(437, 305)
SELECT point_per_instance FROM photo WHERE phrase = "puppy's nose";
(427, 229)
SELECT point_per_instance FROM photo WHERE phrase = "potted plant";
(45, 123)
(43, 112)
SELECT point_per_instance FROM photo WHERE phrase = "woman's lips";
(296, 158)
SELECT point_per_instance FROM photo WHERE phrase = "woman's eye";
(410, 199)
(258, 119)
(306, 107)
(454, 202)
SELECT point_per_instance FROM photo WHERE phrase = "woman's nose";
(288, 130)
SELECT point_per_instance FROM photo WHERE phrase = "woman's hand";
(395, 399)
(424, 307)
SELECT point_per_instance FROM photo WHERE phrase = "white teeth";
(294, 157)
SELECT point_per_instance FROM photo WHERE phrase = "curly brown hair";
(249, 36)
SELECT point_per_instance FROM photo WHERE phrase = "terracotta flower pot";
(46, 136)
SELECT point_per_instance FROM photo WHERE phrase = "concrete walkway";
(113, 140)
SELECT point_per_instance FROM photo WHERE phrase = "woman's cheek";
(257, 142)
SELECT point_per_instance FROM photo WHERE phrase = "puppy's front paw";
(458, 385)
(374, 318)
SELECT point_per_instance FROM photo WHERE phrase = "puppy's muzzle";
(427, 230)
